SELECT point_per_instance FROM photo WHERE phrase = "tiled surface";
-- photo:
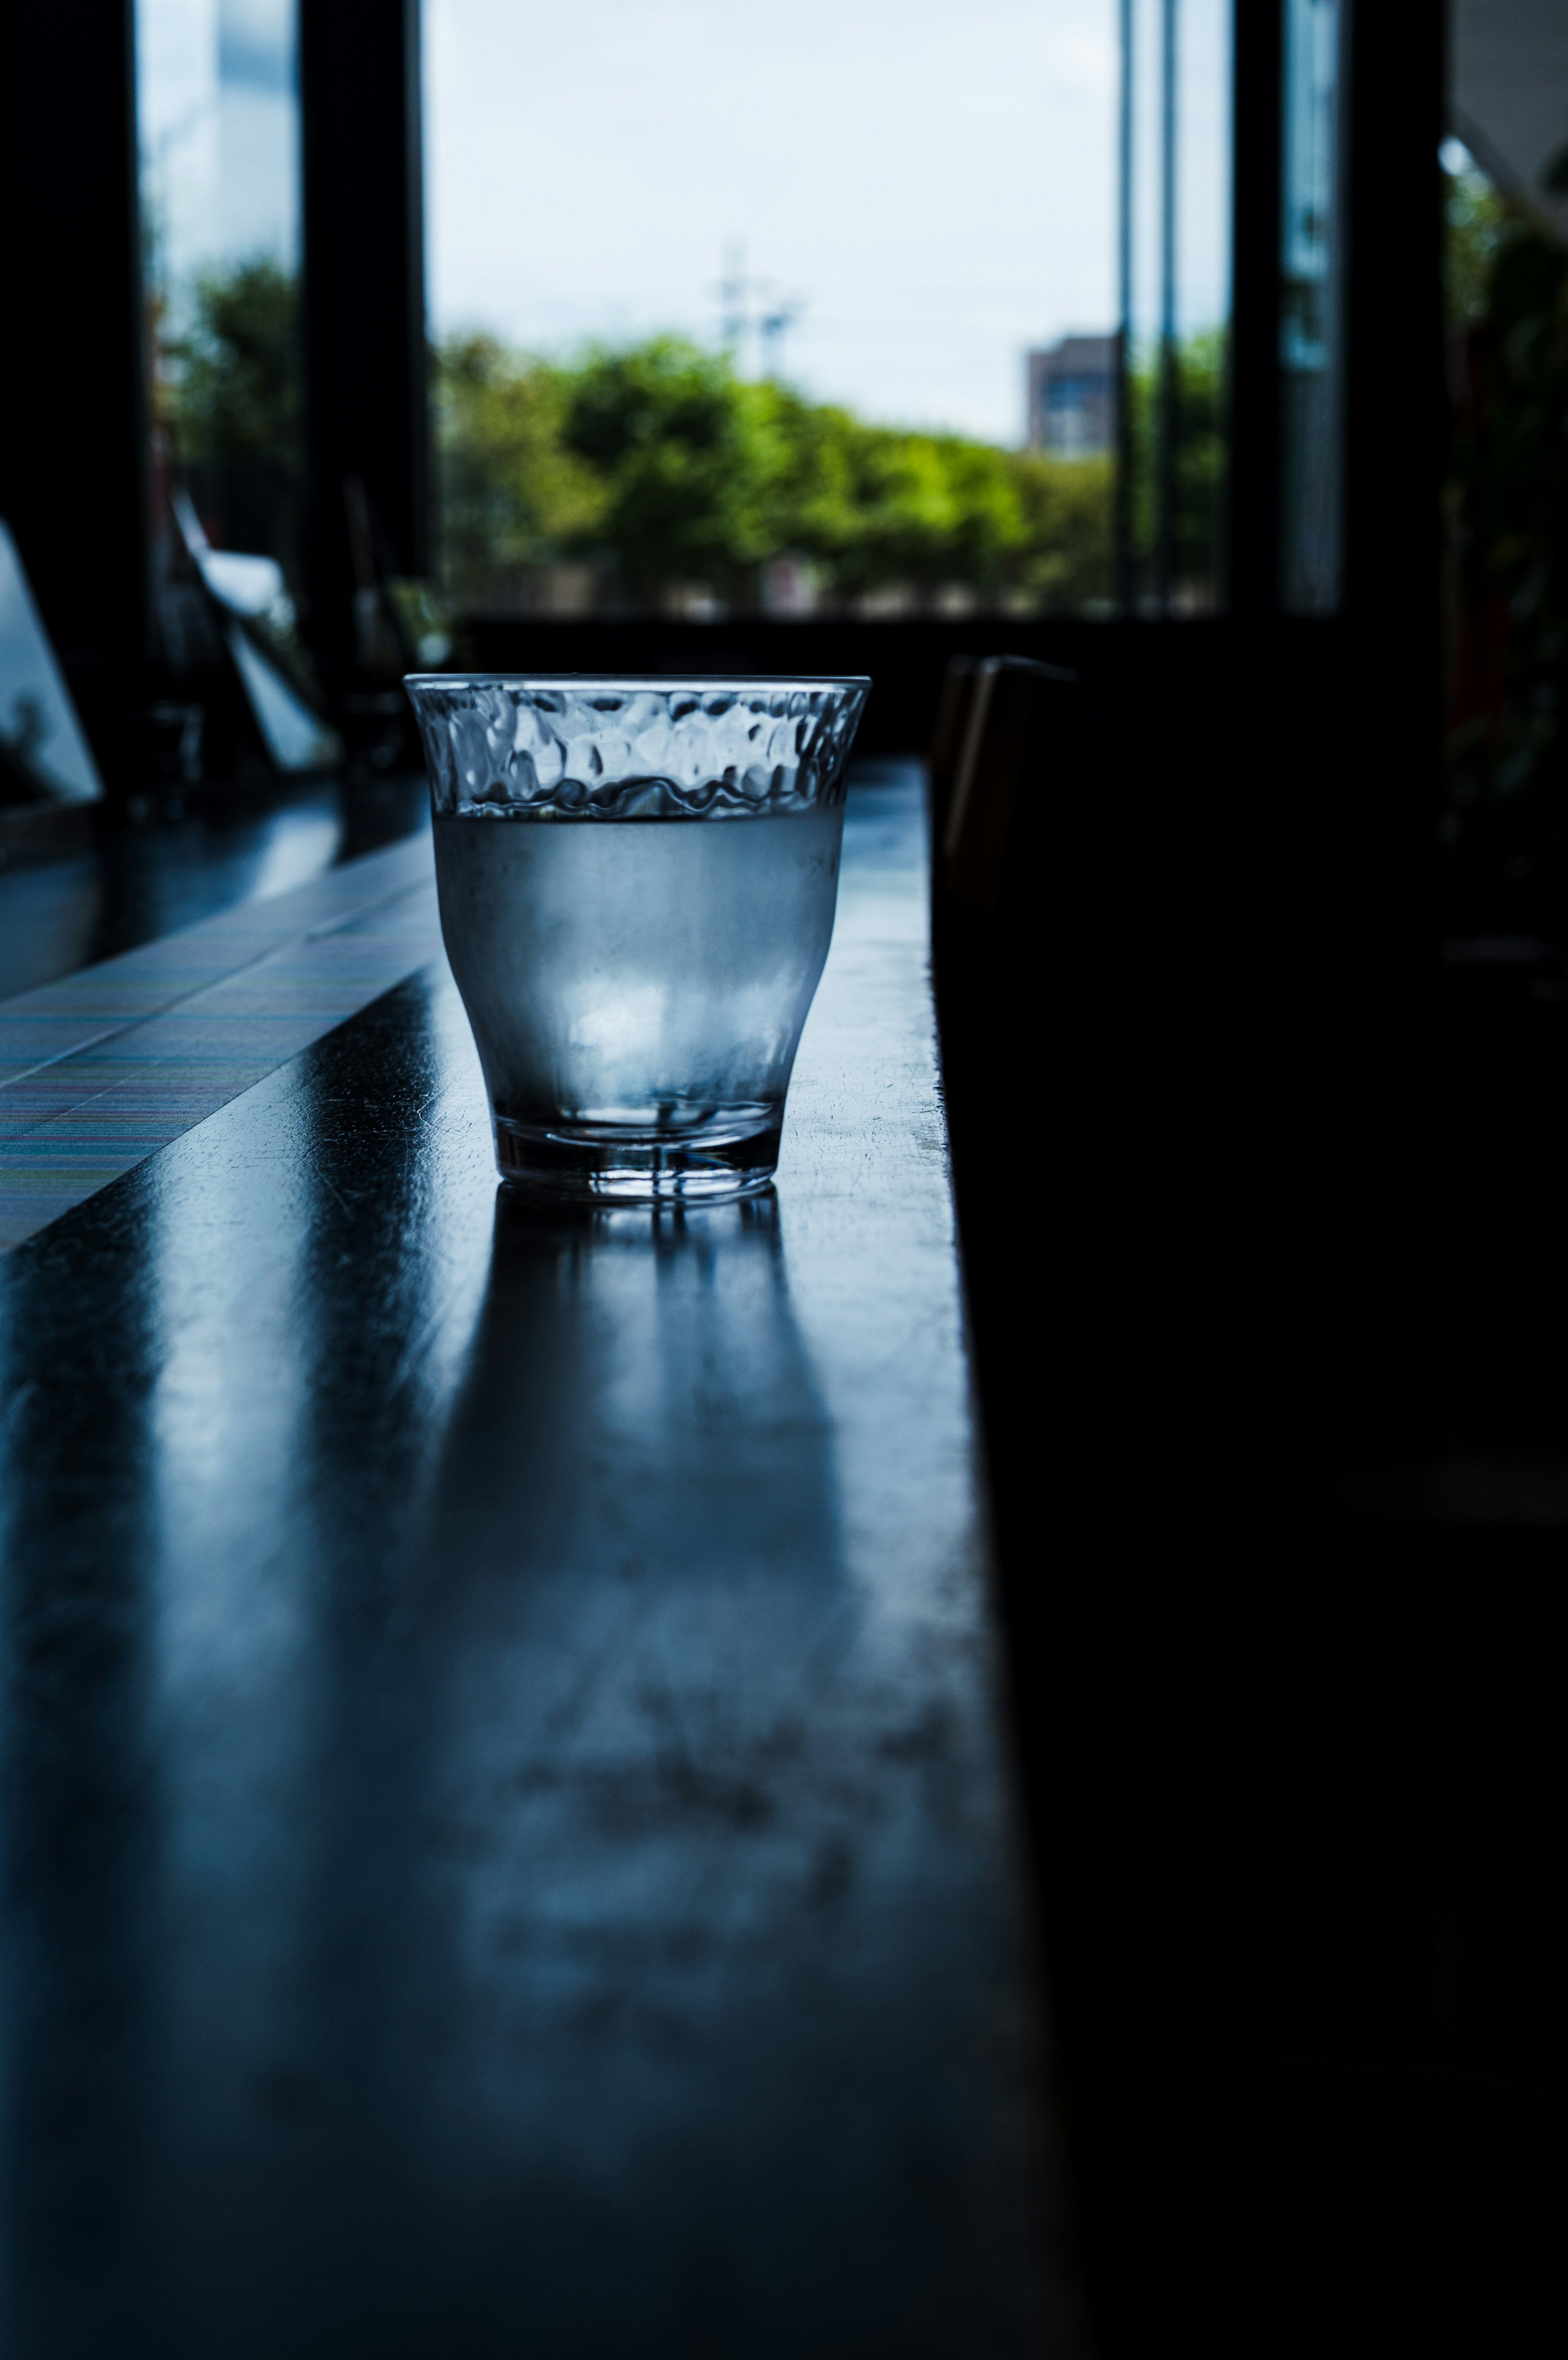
(102, 1068)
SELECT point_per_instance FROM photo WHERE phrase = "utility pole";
(774, 325)
(748, 305)
(734, 290)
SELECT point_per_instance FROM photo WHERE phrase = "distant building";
(1072, 398)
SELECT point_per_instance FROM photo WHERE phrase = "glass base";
(598, 1163)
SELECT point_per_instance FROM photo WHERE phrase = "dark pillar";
(1376, 982)
(1125, 580)
(1254, 559)
(367, 405)
(1395, 425)
(72, 403)
(1396, 401)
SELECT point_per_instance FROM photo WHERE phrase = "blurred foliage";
(1198, 396)
(513, 495)
(1069, 559)
(1507, 510)
(229, 387)
(653, 470)
(663, 468)
(1477, 221)
(687, 459)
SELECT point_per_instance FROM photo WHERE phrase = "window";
(755, 309)
(1176, 198)
(219, 131)
(1310, 329)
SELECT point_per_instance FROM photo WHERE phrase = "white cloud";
(935, 179)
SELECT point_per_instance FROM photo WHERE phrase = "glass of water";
(636, 882)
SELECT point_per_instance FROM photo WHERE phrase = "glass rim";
(772, 682)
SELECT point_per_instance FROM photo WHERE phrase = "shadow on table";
(479, 1861)
(518, 1931)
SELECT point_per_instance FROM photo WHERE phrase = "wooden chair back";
(948, 740)
(1018, 719)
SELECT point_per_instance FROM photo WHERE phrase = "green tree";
(924, 510)
(1200, 457)
(1197, 422)
(661, 458)
(990, 527)
(813, 503)
(689, 464)
(905, 514)
(231, 389)
(513, 494)
(1068, 558)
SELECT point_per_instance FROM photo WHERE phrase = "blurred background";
(777, 309)
(1216, 355)
(343, 341)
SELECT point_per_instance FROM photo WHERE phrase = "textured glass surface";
(635, 749)
(636, 982)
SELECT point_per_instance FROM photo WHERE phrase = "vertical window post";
(1395, 399)
(1394, 410)
(1168, 390)
(1125, 575)
(366, 400)
(1253, 391)
(72, 397)
(1176, 188)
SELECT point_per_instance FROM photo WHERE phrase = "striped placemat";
(104, 1067)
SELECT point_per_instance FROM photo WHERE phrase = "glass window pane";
(1145, 200)
(1201, 299)
(735, 306)
(1177, 298)
(1310, 336)
(219, 131)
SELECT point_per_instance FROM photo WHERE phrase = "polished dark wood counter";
(509, 1841)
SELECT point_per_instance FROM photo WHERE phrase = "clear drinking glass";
(637, 881)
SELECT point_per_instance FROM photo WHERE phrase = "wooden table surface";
(509, 1842)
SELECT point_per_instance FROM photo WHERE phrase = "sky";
(218, 123)
(926, 186)
(1203, 164)
(930, 182)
